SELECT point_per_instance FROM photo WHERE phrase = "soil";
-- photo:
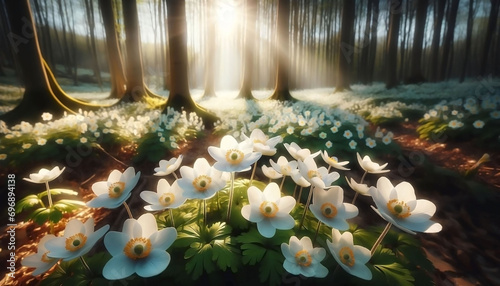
(465, 252)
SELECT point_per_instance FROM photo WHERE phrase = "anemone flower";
(77, 240)
(369, 166)
(202, 181)
(139, 248)
(262, 143)
(168, 167)
(318, 177)
(40, 260)
(334, 162)
(166, 196)
(283, 166)
(44, 175)
(268, 209)
(271, 173)
(302, 259)
(352, 258)
(298, 153)
(232, 156)
(116, 190)
(399, 206)
(328, 207)
(361, 189)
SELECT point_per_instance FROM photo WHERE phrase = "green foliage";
(46, 213)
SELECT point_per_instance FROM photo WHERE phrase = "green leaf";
(26, 203)
(55, 215)
(226, 255)
(271, 267)
(40, 215)
(58, 191)
(252, 253)
(385, 261)
(200, 259)
(68, 205)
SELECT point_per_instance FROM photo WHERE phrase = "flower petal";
(154, 264)
(118, 267)
(266, 229)
(163, 238)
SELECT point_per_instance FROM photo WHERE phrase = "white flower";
(202, 181)
(455, 124)
(262, 143)
(116, 190)
(495, 114)
(334, 162)
(369, 166)
(233, 156)
(318, 177)
(370, 142)
(298, 153)
(399, 206)
(302, 259)
(168, 167)
(26, 146)
(77, 240)
(353, 144)
(83, 140)
(347, 134)
(59, 141)
(334, 129)
(322, 135)
(40, 260)
(379, 133)
(290, 130)
(46, 116)
(139, 248)
(41, 141)
(44, 176)
(478, 124)
(269, 210)
(352, 258)
(271, 172)
(386, 140)
(299, 179)
(283, 166)
(328, 206)
(362, 189)
(3, 156)
(166, 196)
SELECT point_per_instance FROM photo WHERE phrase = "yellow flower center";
(234, 156)
(285, 170)
(313, 173)
(303, 258)
(328, 210)
(202, 183)
(398, 208)
(333, 160)
(75, 242)
(115, 190)
(268, 209)
(347, 256)
(45, 258)
(137, 248)
(167, 199)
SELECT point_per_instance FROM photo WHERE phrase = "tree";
(468, 39)
(211, 49)
(492, 23)
(115, 62)
(281, 90)
(346, 47)
(436, 37)
(448, 40)
(89, 8)
(180, 97)
(42, 93)
(391, 56)
(250, 21)
(418, 39)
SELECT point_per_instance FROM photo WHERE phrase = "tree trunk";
(436, 37)
(363, 63)
(346, 47)
(115, 63)
(448, 40)
(250, 39)
(391, 56)
(492, 23)
(418, 39)
(211, 49)
(180, 97)
(281, 90)
(41, 94)
(373, 42)
(89, 7)
(468, 40)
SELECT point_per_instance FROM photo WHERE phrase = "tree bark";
(250, 39)
(436, 37)
(115, 62)
(180, 97)
(281, 90)
(468, 40)
(346, 47)
(211, 49)
(448, 40)
(391, 56)
(89, 7)
(416, 75)
(492, 23)
(373, 42)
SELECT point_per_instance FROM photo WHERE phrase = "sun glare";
(229, 16)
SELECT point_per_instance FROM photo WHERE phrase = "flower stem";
(355, 197)
(317, 231)
(86, 266)
(300, 195)
(175, 175)
(381, 237)
(48, 194)
(306, 206)
(253, 173)
(128, 210)
(282, 183)
(295, 191)
(205, 212)
(363, 177)
(230, 203)
(172, 217)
